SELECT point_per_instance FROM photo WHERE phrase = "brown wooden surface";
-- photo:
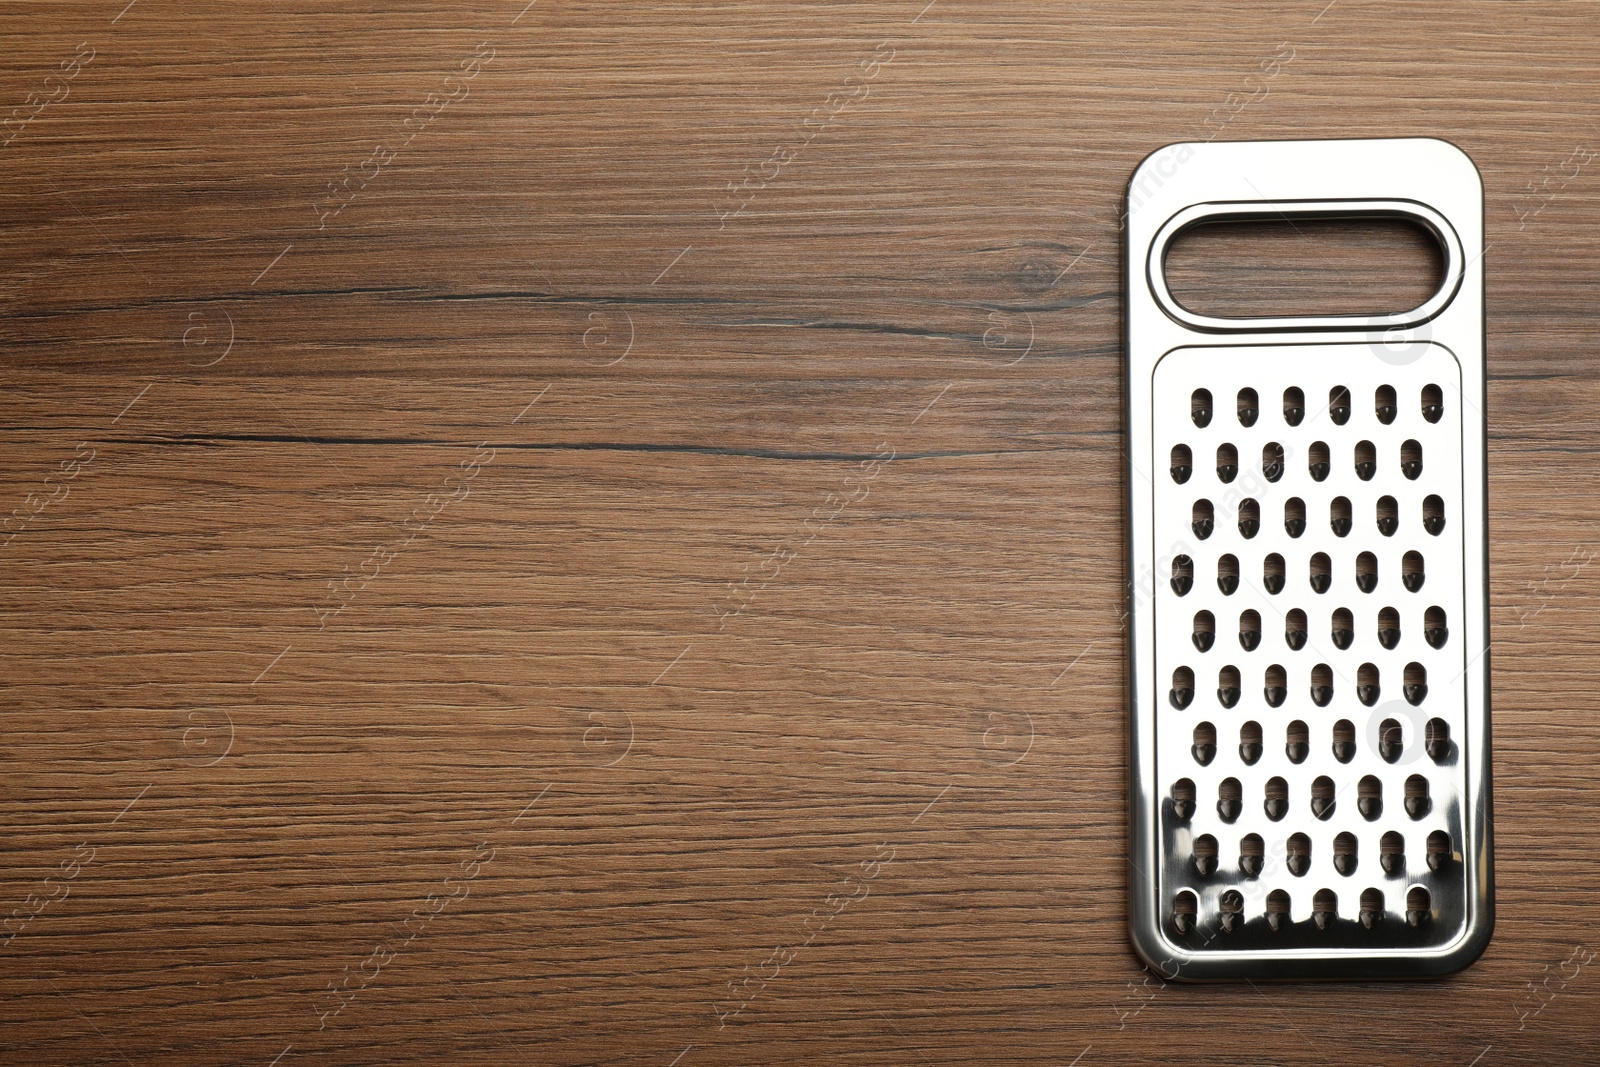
(241, 798)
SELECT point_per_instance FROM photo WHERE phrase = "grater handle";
(1257, 210)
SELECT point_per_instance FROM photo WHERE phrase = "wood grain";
(520, 598)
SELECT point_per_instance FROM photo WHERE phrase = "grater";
(1309, 732)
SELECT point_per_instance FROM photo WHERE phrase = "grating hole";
(1412, 572)
(1344, 740)
(1371, 907)
(1369, 797)
(1200, 407)
(1184, 909)
(1388, 516)
(1227, 573)
(1294, 629)
(1230, 906)
(1419, 906)
(1344, 629)
(1249, 518)
(1182, 574)
(1277, 686)
(1366, 572)
(1230, 800)
(1383, 404)
(1227, 462)
(1416, 683)
(1391, 740)
(1202, 518)
(1182, 463)
(1418, 803)
(1205, 630)
(1317, 460)
(1366, 461)
(1344, 853)
(1294, 516)
(1339, 405)
(1205, 855)
(1273, 573)
(1388, 628)
(1182, 693)
(1321, 572)
(1297, 741)
(1437, 733)
(1250, 743)
(1204, 748)
(1433, 515)
(1252, 851)
(1249, 630)
(1411, 460)
(1322, 797)
(1298, 858)
(1294, 405)
(1249, 407)
(1325, 908)
(1434, 628)
(1183, 798)
(1367, 687)
(1272, 461)
(1321, 685)
(1432, 403)
(1392, 852)
(1439, 851)
(1278, 909)
(1228, 686)
(1276, 803)
(1339, 515)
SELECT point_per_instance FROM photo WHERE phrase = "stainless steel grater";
(1309, 735)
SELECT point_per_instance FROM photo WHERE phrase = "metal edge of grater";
(1301, 854)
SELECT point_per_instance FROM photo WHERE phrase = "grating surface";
(1332, 877)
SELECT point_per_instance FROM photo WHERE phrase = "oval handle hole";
(1235, 268)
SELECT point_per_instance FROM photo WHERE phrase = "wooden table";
(591, 532)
